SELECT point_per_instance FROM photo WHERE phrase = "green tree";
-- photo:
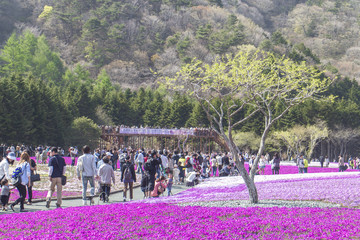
(13, 56)
(102, 86)
(203, 32)
(138, 106)
(197, 117)
(84, 131)
(118, 108)
(259, 80)
(154, 111)
(180, 110)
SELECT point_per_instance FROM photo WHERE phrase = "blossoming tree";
(234, 88)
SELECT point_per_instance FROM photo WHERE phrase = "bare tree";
(342, 136)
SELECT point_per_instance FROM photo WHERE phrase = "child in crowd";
(176, 173)
(170, 175)
(5, 194)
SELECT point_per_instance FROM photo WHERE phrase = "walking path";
(114, 198)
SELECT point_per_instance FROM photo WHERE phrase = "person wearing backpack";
(128, 176)
(25, 180)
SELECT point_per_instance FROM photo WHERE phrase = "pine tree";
(197, 117)
(154, 111)
(13, 56)
(180, 111)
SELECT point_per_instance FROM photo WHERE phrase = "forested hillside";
(95, 59)
(128, 38)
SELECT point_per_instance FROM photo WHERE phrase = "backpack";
(127, 174)
(149, 165)
(122, 157)
(16, 176)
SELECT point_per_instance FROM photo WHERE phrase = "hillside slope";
(128, 38)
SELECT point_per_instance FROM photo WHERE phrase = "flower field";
(335, 189)
(161, 218)
(162, 221)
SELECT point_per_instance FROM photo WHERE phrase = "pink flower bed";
(342, 190)
(162, 221)
(288, 169)
(284, 169)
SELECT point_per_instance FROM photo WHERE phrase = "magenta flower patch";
(342, 190)
(162, 221)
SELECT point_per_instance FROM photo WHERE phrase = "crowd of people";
(159, 170)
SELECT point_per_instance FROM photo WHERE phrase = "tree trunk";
(184, 143)
(329, 150)
(260, 152)
(179, 146)
(250, 184)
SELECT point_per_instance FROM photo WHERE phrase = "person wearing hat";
(4, 165)
(109, 156)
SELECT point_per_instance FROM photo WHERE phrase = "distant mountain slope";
(130, 37)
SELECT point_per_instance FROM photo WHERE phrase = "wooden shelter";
(184, 139)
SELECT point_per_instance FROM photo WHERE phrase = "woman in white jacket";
(4, 165)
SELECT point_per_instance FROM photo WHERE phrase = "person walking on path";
(140, 161)
(25, 180)
(128, 176)
(115, 158)
(4, 165)
(86, 171)
(72, 155)
(150, 169)
(57, 168)
(106, 174)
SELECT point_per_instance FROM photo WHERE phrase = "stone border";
(78, 197)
